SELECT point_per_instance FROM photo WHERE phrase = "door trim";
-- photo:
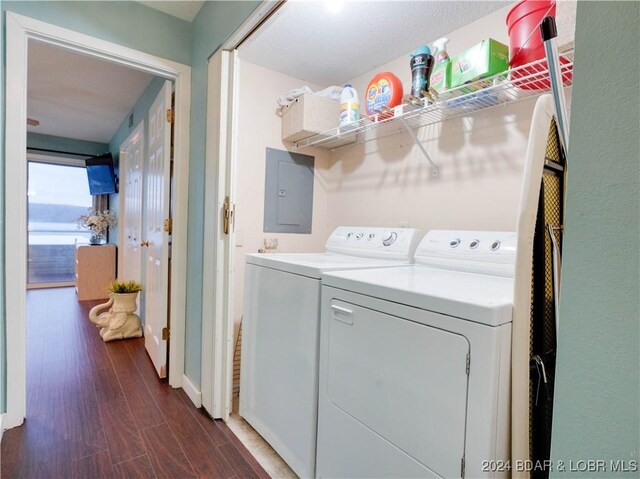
(217, 275)
(217, 337)
(19, 30)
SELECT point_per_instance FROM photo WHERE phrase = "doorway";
(20, 31)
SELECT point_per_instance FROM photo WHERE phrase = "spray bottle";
(421, 65)
(440, 50)
(441, 78)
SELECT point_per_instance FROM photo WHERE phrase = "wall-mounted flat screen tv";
(102, 180)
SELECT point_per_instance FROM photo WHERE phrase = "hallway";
(98, 409)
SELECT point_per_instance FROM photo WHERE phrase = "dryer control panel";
(485, 252)
(369, 242)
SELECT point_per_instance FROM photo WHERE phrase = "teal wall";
(597, 399)
(37, 140)
(126, 23)
(211, 27)
(140, 112)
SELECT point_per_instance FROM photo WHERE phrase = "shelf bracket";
(434, 168)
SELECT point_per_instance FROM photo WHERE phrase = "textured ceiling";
(185, 10)
(307, 40)
(77, 96)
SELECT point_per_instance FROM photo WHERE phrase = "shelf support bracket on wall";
(434, 168)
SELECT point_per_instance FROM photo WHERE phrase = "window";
(58, 195)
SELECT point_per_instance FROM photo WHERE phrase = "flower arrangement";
(97, 221)
(124, 287)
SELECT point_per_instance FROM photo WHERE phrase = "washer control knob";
(454, 243)
(495, 246)
(349, 235)
(389, 238)
(371, 236)
(359, 235)
(474, 244)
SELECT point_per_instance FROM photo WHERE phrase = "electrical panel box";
(288, 194)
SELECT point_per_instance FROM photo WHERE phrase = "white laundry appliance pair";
(281, 333)
(415, 363)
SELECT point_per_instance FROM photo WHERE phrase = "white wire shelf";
(503, 88)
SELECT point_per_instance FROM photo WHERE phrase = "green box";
(480, 61)
(441, 77)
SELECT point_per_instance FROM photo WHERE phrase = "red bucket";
(523, 26)
(526, 45)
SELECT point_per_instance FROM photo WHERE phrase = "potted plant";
(98, 222)
(120, 322)
(124, 287)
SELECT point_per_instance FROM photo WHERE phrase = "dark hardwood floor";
(98, 409)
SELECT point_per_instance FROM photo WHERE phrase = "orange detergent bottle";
(384, 91)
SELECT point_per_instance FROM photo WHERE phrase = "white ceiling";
(77, 96)
(308, 41)
(185, 10)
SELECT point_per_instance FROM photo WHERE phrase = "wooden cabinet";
(95, 269)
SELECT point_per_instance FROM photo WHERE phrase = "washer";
(281, 333)
(415, 362)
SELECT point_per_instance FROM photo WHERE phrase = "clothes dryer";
(415, 363)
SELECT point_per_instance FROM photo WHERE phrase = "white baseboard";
(193, 392)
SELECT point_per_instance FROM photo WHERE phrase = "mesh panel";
(553, 144)
(542, 326)
(552, 199)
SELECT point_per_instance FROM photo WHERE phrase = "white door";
(155, 240)
(217, 318)
(131, 191)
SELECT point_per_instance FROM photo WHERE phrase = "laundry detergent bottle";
(421, 65)
(349, 106)
(383, 93)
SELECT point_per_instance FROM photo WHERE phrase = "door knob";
(144, 243)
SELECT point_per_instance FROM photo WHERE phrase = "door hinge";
(229, 209)
(171, 115)
(468, 364)
(462, 467)
(165, 334)
(168, 225)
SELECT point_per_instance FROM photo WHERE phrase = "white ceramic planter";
(120, 322)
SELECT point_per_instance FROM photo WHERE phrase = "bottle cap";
(348, 85)
(421, 50)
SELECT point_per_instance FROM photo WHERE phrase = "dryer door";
(400, 381)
